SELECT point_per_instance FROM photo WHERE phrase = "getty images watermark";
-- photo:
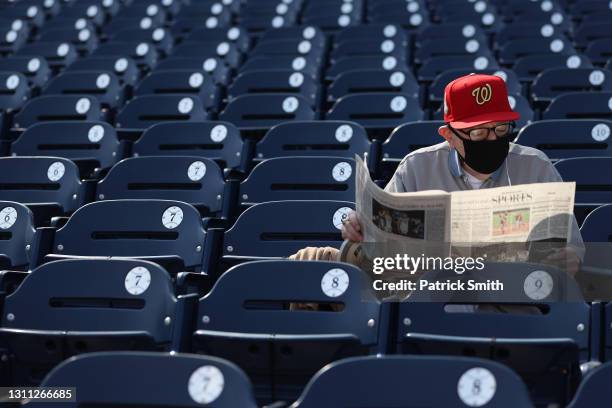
(411, 265)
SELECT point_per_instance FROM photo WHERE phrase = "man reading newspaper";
(476, 153)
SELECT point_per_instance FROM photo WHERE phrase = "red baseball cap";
(476, 99)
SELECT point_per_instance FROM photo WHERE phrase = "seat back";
(556, 81)
(14, 90)
(102, 85)
(184, 377)
(134, 228)
(275, 81)
(17, 234)
(219, 141)
(361, 81)
(528, 67)
(463, 381)
(36, 69)
(41, 180)
(515, 49)
(593, 180)
(567, 138)
(580, 105)
(195, 180)
(434, 66)
(196, 83)
(284, 233)
(593, 388)
(48, 108)
(147, 110)
(124, 68)
(596, 225)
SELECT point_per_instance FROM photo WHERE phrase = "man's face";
(472, 133)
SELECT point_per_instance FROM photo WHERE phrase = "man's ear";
(445, 132)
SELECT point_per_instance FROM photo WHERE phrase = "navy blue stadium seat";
(103, 85)
(17, 235)
(515, 49)
(378, 32)
(69, 307)
(273, 346)
(556, 81)
(147, 110)
(262, 111)
(29, 13)
(545, 347)
(188, 380)
(593, 181)
(159, 37)
(596, 225)
(144, 8)
(181, 82)
(167, 232)
(143, 53)
(225, 50)
(92, 12)
(35, 69)
(371, 62)
(586, 33)
(213, 66)
(236, 35)
(352, 48)
(120, 23)
(184, 25)
(282, 62)
(434, 66)
(458, 381)
(528, 67)
(84, 40)
(314, 138)
(11, 40)
(300, 178)
(593, 388)
(49, 182)
(194, 180)
(90, 145)
(123, 67)
(567, 138)
(377, 110)
(284, 233)
(14, 91)
(598, 51)
(58, 54)
(580, 105)
(361, 81)
(275, 81)
(526, 30)
(219, 141)
(58, 108)
(450, 30)
(451, 47)
(295, 47)
(310, 33)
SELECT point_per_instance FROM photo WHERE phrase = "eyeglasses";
(479, 134)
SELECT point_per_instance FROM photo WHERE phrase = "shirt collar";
(454, 165)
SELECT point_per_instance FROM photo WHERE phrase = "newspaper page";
(521, 213)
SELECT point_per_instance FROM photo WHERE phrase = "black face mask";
(485, 156)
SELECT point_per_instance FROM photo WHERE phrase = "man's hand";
(566, 259)
(351, 228)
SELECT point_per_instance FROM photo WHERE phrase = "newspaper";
(521, 213)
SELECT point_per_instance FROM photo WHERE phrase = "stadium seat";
(310, 33)
(159, 37)
(596, 225)
(262, 111)
(300, 178)
(367, 62)
(598, 51)
(275, 81)
(362, 81)
(451, 47)
(124, 68)
(188, 380)
(546, 348)
(295, 47)
(592, 179)
(593, 388)
(219, 141)
(102, 85)
(164, 231)
(434, 66)
(11, 40)
(194, 180)
(450, 30)
(556, 81)
(580, 105)
(147, 110)
(181, 82)
(120, 23)
(377, 110)
(14, 91)
(35, 69)
(255, 329)
(352, 48)
(225, 50)
(436, 89)
(58, 108)
(236, 35)
(514, 49)
(17, 235)
(314, 138)
(184, 25)
(567, 138)
(70, 307)
(285, 233)
(144, 54)
(45, 184)
(526, 30)
(282, 62)
(58, 54)
(84, 40)
(459, 381)
(213, 66)
(587, 33)
(90, 145)
(378, 32)
(528, 67)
